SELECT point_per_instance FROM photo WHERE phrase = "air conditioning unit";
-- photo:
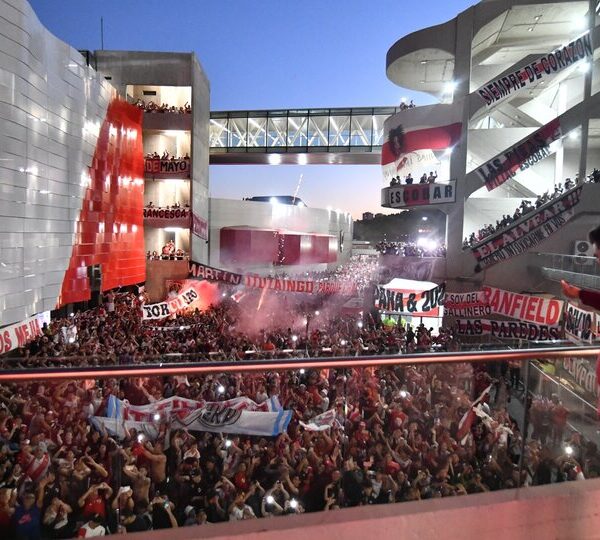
(583, 248)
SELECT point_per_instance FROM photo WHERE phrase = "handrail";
(249, 366)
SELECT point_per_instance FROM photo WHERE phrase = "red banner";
(520, 157)
(199, 227)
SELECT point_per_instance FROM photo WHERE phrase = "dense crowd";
(152, 107)
(173, 206)
(410, 249)
(169, 252)
(404, 106)
(408, 179)
(391, 434)
(166, 156)
(396, 434)
(526, 207)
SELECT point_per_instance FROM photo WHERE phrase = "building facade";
(518, 114)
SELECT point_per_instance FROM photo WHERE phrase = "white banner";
(321, 422)
(117, 428)
(470, 305)
(19, 334)
(506, 329)
(580, 324)
(117, 408)
(218, 419)
(525, 307)
(502, 88)
(170, 307)
(418, 195)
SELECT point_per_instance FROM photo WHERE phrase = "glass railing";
(172, 440)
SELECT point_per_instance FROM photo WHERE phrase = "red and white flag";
(320, 422)
(464, 426)
(411, 136)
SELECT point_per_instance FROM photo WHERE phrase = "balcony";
(167, 121)
(434, 410)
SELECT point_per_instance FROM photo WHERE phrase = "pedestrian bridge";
(298, 136)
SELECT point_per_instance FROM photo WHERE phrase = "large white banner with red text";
(524, 307)
(19, 334)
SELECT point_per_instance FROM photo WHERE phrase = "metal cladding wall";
(53, 109)
(110, 228)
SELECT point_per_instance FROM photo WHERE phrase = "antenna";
(102, 33)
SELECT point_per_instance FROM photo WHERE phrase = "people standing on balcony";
(432, 177)
(409, 179)
(423, 179)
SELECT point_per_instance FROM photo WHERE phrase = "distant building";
(367, 216)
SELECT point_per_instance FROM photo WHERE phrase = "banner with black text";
(506, 329)
(527, 232)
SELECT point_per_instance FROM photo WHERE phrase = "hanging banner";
(418, 195)
(175, 168)
(506, 329)
(520, 157)
(467, 305)
(417, 304)
(218, 419)
(19, 334)
(165, 309)
(580, 324)
(528, 231)
(409, 145)
(167, 217)
(202, 271)
(504, 87)
(524, 307)
(199, 227)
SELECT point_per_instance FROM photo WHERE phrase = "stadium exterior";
(520, 79)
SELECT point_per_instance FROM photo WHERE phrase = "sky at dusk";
(269, 54)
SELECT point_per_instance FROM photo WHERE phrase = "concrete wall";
(236, 213)
(156, 71)
(566, 511)
(200, 154)
(52, 106)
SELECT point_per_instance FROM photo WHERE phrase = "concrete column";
(459, 263)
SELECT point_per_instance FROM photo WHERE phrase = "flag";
(412, 135)
(464, 426)
(320, 422)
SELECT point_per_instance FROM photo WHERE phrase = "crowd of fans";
(394, 434)
(526, 207)
(404, 106)
(166, 156)
(169, 252)
(152, 107)
(398, 434)
(173, 206)
(410, 249)
(408, 179)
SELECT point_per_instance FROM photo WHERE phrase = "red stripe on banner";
(434, 138)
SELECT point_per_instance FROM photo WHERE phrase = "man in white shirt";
(92, 528)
